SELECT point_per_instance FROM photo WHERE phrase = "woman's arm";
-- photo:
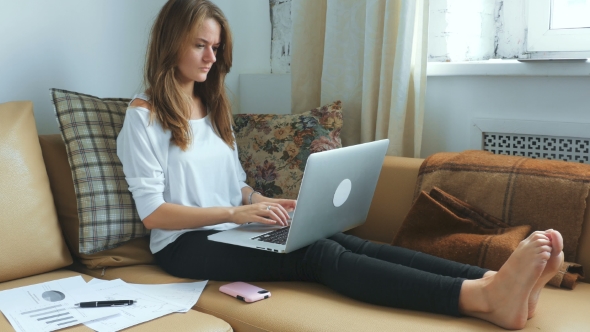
(145, 177)
(174, 216)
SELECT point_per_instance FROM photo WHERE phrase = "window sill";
(509, 68)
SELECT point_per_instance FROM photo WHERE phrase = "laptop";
(335, 195)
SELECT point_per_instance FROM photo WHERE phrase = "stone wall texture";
(280, 17)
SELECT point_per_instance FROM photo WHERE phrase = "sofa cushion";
(392, 199)
(311, 307)
(31, 241)
(273, 149)
(307, 306)
(178, 322)
(89, 127)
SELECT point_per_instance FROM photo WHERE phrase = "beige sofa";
(32, 247)
(294, 306)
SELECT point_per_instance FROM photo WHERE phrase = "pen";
(95, 304)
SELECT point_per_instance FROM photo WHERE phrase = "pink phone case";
(245, 292)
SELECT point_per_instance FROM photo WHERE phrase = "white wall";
(452, 102)
(94, 47)
(265, 93)
(98, 48)
(251, 28)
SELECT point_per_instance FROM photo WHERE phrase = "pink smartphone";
(245, 292)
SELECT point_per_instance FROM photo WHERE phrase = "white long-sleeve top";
(207, 174)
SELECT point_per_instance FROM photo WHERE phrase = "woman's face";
(198, 57)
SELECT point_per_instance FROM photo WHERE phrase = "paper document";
(146, 307)
(50, 306)
(33, 294)
(184, 295)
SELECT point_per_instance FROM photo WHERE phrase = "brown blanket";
(440, 225)
(520, 191)
(568, 275)
(444, 226)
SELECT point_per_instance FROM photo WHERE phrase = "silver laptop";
(335, 195)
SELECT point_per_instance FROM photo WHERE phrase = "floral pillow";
(273, 149)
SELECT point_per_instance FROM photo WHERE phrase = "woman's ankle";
(473, 297)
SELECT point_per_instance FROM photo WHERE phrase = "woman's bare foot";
(503, 297)
(551, 269)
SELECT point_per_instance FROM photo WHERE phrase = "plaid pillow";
(89, 127)
(273, 149)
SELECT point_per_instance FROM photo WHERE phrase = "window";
(472, 30)
(559, 26)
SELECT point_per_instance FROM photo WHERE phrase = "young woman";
(180, 159)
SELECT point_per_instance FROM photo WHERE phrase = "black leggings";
(373, 273)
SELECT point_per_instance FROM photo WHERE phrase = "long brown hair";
(168, 39)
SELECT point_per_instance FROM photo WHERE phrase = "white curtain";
(371, 55)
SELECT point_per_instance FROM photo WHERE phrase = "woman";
(180, 159)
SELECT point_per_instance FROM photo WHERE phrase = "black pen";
(96, 304)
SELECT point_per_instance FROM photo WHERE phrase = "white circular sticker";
(342, 192)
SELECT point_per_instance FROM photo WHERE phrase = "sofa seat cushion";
(299, 306)
(190, 321)
(302, 306)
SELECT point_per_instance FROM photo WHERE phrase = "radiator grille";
(536, 146)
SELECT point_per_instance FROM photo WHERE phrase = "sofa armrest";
(392, 199)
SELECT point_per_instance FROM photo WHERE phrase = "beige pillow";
(31, 241)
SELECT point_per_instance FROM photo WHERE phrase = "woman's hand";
(288, 204)
(264, 210)
(269, 213)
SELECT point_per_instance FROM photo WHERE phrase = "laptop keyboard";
(278, 236)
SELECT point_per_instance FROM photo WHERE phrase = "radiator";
(537, 146)
(566, 141)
